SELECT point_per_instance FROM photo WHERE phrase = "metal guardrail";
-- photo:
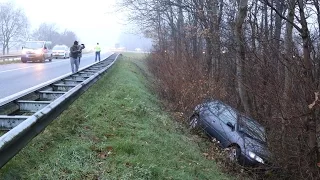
(29, 112)
(10, 57)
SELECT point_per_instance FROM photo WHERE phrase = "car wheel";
(234, 153)
(194, 120)
(43, 59)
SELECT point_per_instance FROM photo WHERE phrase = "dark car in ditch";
(243, 136)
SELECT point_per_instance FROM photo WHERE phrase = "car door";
(211, 121)
(49, 50)
(225, 127)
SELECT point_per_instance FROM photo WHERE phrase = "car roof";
(233, 109)
(209, 102)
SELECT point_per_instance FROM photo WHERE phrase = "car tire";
(43, 59)
(194, 121)
(23, 60)
(234, 153)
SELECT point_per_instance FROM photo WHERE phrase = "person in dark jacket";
(74, 57)
(81, 47)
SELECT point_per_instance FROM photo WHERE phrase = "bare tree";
(14, 26)
(241, 54)
(68, 37)
(49, 32)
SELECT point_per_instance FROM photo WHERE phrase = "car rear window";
(224, 113)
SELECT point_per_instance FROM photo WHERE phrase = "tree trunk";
(179, 31)
(209, 53)
(311, 122)
(288, 54)
(216, 34)
(241, 54)
(195, 48)
(277, 34)
(316, 5)
(288, 50)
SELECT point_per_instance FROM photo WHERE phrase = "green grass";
(116, 130)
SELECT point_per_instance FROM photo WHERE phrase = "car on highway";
(244, 137)
(60, 51)
(36, 51)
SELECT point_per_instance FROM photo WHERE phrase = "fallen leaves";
(104, 152)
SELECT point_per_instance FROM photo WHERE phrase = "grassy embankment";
(116, 130)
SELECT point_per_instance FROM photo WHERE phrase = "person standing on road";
(98, 50)
(74, 57)
(80, 54)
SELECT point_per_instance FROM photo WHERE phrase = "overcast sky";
(92, 20)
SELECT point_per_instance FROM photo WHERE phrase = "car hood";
(28, 50)
(58, 51)
(257, 147)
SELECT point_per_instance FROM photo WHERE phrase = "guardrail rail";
(27, 113)
(10, 57)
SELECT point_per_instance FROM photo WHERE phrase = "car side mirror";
(45, 48)
(22, 47)
(230, 125)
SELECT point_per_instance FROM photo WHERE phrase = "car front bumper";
(59, 55)
(31, 56)
(246, 160)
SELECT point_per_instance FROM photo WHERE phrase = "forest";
(260, 56)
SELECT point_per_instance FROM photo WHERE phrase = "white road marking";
(30, 66)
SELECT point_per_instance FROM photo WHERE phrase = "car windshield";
(33, 45)
(252, 128)
(58, 48)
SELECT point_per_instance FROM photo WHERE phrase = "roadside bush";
(184, 83)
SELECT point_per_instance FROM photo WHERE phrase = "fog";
(133, 41)
(92, 21)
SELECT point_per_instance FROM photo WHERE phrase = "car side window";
(228, 115)
(47, 45)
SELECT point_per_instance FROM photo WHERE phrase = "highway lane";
(21, 76)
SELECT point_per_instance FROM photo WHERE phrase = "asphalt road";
(21, 76)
